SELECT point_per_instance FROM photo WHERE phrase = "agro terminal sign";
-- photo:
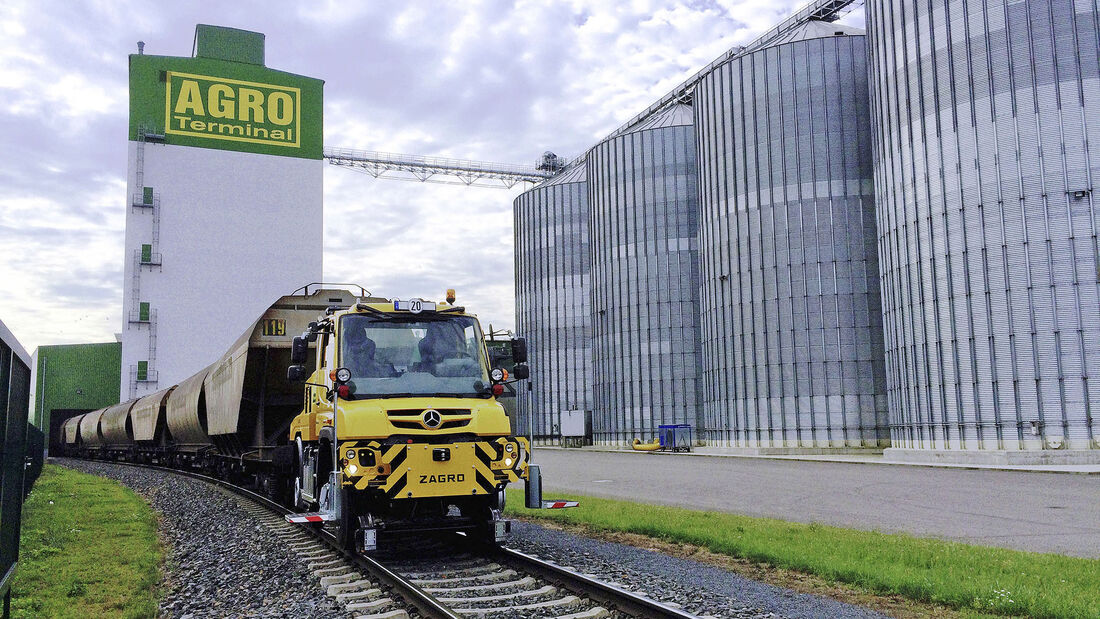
(226, 109)
(225, 105)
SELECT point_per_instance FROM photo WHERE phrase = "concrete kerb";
(877, 459)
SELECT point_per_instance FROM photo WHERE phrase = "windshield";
(401, 356)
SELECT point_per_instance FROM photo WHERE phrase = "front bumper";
(422, 470)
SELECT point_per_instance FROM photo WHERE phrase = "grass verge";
(89, 548)
(959, 576)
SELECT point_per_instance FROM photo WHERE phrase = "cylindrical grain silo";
(552, 301)
(987, 148)
(644, 235)
(792, 351)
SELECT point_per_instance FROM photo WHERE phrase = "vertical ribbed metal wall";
(987, 147)
(643, 225)
(552, 301)
(791, 319)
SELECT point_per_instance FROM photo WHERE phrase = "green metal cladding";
(224, 98)
(76, 377)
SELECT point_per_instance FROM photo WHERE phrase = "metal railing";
(138, 201)
(153, 261)
(136, 317)
(135, 377)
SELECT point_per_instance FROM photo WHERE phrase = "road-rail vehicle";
(418, 439)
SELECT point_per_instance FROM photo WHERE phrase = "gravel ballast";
(696, 587)
(221, 561)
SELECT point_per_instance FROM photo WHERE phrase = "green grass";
(961, 576)
(89, 548)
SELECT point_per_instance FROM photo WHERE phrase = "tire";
(347, 523)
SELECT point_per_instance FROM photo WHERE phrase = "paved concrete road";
(1041, 512)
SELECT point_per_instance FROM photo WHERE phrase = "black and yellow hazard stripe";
(394, 457)
(480, 468)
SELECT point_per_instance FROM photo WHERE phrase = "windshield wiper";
(456, 395)
(371, 396)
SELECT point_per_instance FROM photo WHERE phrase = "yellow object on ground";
(640, 446)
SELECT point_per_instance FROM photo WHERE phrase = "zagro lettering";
(442, 479)
(227, 109)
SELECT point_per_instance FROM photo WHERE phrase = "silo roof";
(814, 29)
(577, 172)
(675, 116)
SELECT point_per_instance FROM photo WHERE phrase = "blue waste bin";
(675, 437)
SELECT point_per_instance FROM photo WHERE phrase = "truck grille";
(409, 418)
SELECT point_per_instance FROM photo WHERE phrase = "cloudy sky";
(493, 81)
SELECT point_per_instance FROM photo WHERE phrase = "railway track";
(441, 576)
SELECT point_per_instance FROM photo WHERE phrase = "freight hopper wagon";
(418, 440)
(229, 418)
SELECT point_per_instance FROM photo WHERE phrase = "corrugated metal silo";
(791, 320)
(987, 148)
(552, 300)
(643, 226)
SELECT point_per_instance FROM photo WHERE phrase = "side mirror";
(299, 350)
(521, 372)
(296, 373)
(310, 334)
(519, 350)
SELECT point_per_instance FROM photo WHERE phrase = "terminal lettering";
(227, 109)
(442, 479)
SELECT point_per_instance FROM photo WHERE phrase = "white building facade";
(224, 202)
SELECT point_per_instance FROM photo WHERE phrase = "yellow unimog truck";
(400, 428)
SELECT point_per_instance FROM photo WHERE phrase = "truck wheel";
(347, 523)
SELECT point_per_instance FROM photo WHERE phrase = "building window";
(146, 195)
(143, 311)
(146, 253)
(143, 370)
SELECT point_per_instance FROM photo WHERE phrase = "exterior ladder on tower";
(147, 256)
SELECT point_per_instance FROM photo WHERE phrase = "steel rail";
(606, 594)
(409, 592)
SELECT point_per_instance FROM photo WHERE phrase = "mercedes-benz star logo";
(432, 419)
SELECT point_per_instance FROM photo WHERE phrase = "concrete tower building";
(791, 322)
(645, 278)
(987, 151)
(224, 198)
